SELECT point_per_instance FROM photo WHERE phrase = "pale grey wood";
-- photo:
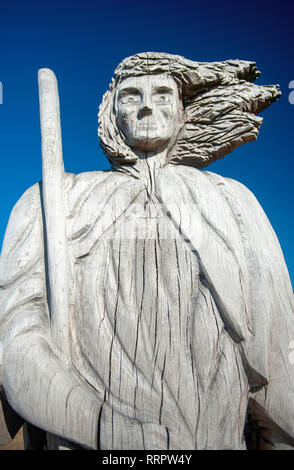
(221, 102)
(180, 307)
(54, 212)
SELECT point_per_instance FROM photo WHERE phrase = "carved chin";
(148, 143)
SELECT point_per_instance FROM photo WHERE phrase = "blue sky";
(83, 41)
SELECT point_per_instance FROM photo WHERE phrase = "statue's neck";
(147, 166)
(148, 161)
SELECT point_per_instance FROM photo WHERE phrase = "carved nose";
(145, 110)
(146, 105)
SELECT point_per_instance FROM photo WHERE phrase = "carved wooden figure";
(149, 306)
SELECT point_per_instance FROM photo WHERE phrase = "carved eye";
(130, 99)
(162, 98)
(133, 99)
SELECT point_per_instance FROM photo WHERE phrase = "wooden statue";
(149, 306)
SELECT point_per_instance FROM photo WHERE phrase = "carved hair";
(220, 105)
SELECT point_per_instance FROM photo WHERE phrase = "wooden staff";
(54, 213)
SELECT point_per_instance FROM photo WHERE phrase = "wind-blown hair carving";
(220, 105)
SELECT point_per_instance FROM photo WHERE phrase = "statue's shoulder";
(201, 178)
(26, 210)
(233, 189)
(85, 178)
(23, 216)
(77, 183)
(28, 203)
(22, 240)
(240, 198)
(26, 216)
(244, 205)
(88, 186)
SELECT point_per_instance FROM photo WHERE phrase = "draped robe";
(181, 315)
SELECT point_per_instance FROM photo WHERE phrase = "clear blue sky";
(83, 41)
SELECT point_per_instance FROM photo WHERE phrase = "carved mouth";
(148, 127)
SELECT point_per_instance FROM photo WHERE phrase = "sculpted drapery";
(181, 307)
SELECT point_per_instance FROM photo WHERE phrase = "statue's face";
(149, 111)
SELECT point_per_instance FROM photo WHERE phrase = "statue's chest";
(138, 288)
(148, 258)
(135, 304)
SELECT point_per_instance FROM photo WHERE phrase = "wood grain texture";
(220, 106)
(179, 308)
(54, 200)
(156, 348)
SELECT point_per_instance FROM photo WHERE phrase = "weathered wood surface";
(180, 304)
(220, 103)
(54, 206)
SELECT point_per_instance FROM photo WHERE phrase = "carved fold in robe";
(181, 315)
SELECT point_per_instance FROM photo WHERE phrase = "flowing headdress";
(220, 105)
